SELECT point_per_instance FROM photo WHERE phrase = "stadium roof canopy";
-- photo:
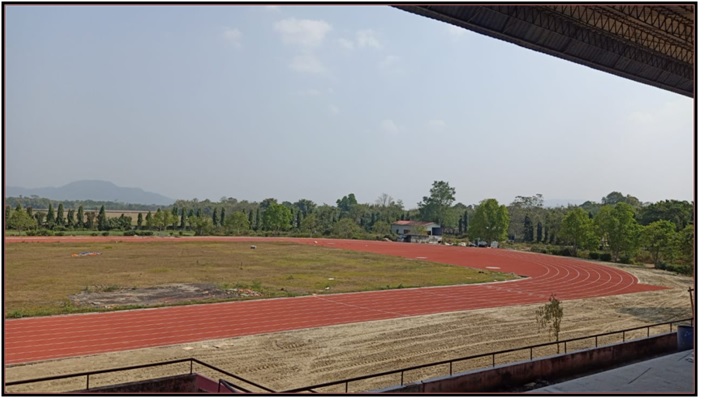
(652, 44)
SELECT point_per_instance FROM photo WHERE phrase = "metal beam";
(653, 45)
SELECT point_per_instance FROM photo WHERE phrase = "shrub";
(625, 259)
(675, 268)
(105, 233)
(41, 232)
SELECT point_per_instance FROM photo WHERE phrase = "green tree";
(277, 218)
(614, 198)
(236, 223)
(21, 221)
(70, 221)
(578, 230)
(658, 238)
(489, 222)
(308, 224)
(617, 225)
(436, 206)
(550, 314)
(382, 228)
(200, 225)
(222, 220)
(8, 213)
(60, 215)
(684, 244)
(346, 202)
(214, 217)
(51, 218)
(681, 213)
(91, 220)
(346, 228)
(529, 230)
(102, 220)
(149, 220)
(139, 220)
(79, 216)
(266, 203)
(305, 206)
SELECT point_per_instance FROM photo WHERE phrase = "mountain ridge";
(92, 189)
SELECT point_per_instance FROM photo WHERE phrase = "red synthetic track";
(35, 339)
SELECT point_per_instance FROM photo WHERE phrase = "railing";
(493, 355)
(346, 382)
(191, 362)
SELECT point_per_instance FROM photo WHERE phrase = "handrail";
(311, 388)
(470, 357)
(88, 374)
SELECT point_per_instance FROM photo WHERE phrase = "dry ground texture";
(47, 279)
(300, 358)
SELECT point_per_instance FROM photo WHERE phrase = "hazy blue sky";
(319, 102)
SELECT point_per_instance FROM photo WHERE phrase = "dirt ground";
(156, 296)
(300, 358)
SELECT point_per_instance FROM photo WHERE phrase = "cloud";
(334, 110)
(306, 33)
(233, 36)
(389, 61)
(366, 39)
(307, 63)
(363, 39)
(346, 43)
(273, 8)
(389, 127)
(390, 65)
(436, 124)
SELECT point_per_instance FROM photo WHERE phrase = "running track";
(43, 338)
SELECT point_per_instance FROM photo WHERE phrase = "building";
(417, 231)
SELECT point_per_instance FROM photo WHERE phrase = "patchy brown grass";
(40, 277)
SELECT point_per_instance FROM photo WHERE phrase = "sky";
(317, 102)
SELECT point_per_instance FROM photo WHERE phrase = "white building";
(417, 231)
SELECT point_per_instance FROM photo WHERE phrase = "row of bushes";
(675, 268)
(132, 232)
(569, 251)
(552, 250)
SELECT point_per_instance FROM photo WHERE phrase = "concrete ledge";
(515, 375)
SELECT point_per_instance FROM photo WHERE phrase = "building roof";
(414, 223)
(652, 44)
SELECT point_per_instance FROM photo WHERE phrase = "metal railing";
(191, 362)
(531, 349)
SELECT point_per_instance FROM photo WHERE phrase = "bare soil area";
(300, 358)
(169, 294)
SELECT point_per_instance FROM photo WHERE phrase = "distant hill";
(92, 190)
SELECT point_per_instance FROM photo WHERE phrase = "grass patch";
(40, 277)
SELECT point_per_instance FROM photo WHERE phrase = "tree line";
(618, 228)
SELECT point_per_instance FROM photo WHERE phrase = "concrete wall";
(189, 383)
(560, 366)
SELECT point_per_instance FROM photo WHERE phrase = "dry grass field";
(45, 278)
